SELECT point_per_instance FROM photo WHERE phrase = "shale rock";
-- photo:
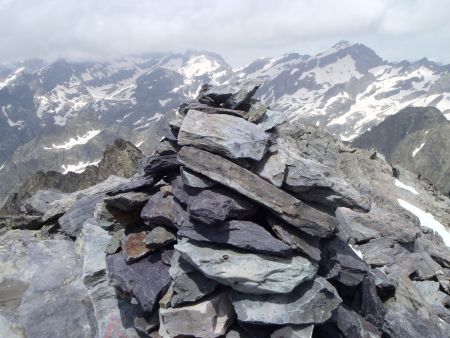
(189, 285)
(128, 201)
(250, 185)
(133, 184)
(159, 164)
(342, 264)
(296, 239)
(230, 97)
(240, 234)
(313, 181)
(353, 325)
(311, 302)
(194, 180)
(115, 242)
(165, 147)
(159, 237)
(217, 205)
(204, 108)
(272, 169)
(227, 135)
(133, 246)
(72, 221)
(162, 209)
(271, 119)
(39, 202)
(209, 318)
(146, 280)
(247, 272)
(294, 331)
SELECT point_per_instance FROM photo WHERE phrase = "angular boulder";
(209, 318)
(217, 205)
(128, 201)
(156, 165)
(194, 180)
(162, 209)
(227, 135)
(272, 169)
(147, 280)
(312, 302)
(271, 119)
(133, 246)
(286, 206)
(294, 331)
(159, 237)
(189, 284)
(248, 272)
(244, 235)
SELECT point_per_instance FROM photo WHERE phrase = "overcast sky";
(239, 30)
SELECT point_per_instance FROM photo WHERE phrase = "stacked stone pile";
(239, 225)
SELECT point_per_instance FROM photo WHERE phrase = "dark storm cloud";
(240, 30)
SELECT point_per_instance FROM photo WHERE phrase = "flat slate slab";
(248, 272)
(244, 235)
(310, 303)
(227, 135)
(286, 206)
(147, 280)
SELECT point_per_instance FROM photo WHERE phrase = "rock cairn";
(239, 225)
(224, 243)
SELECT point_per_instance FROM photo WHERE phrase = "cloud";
(239, 30)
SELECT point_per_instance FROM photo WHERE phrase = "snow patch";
(427, 220)
(356, 251)
(75, 141)
(198, 66)
(406, 187)
(415, 151)
(78, 168)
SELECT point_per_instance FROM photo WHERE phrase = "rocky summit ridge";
(238, 225)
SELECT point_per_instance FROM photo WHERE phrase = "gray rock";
(353, 325)
(24, 222)
(357, 227)
(247, 272)
(59, 207)
(159, 237)
(380, 252)
(294, 331)
(310, 303)
(148, 324)
(256, 111)
(296, 239)
(194, 180)
(437, 299)
(227, 135)
(371, 307)
(111, 313)
(133, 184)
(217, 205)
(175, 124)
(9, 330)
(435, 248)
(250, 185)
(162, 209)
(340, 263)
(188, 285)
(385, 286)
(41, 286)
(271, 119)
(72, 221)
(156, 165)
(272, 169)
(232, 97)
(134, 248)
(315, 182)
(165, 147)
(39, 202)
(244, 235)
(403, 322)
(115, 242)
(128, 201)
(214, 110)
(147, 280)
(209, 318)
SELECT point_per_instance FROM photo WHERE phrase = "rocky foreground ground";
(239, 225)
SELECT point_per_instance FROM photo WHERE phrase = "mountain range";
(61, 115)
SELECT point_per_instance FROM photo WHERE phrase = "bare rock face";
(311, 302)
(209, 318)
(250, 185)
(248, 272)
(227, 135)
